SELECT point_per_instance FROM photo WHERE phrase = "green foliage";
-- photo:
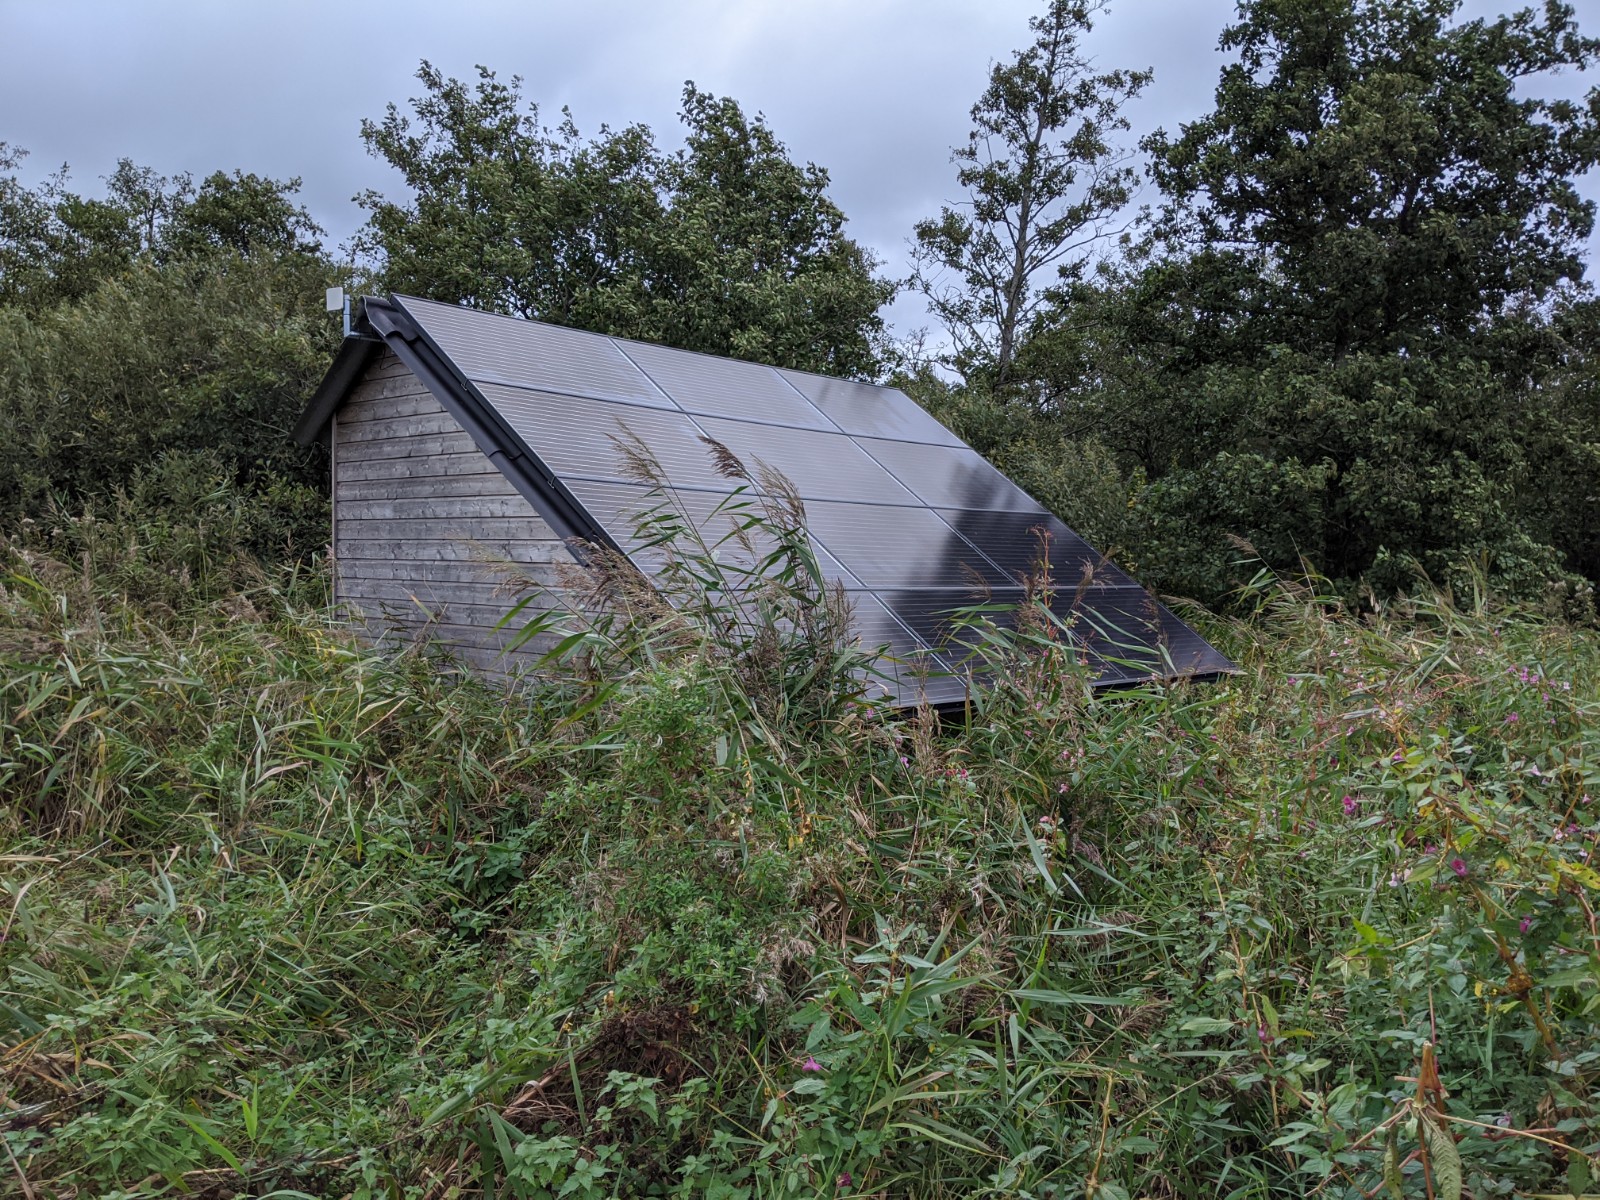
(57, 245)
(725, 245)
(1380, 161)
(1356, 334)
(1043, 180)
(287, 916)
(156, 346)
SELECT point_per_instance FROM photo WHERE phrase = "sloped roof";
(906, 516)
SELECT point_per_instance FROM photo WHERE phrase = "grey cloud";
(877, 91)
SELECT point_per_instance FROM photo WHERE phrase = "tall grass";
(284, 916)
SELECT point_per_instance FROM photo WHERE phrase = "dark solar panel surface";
(908, 519)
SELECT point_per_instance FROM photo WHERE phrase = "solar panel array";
(910, 520)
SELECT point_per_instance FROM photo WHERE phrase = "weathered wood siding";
(427, 533)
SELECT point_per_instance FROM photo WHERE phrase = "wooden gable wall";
(426, 530)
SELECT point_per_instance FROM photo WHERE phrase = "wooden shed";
(458, 438)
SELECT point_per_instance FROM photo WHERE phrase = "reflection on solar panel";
(909, 519)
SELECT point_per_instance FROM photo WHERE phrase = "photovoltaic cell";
(913, 523)
(1013, 541)
(949, 476)
(822, 466)
(894, 547)
(486, 347)
(578, 437)
(725, 387)
(726, 523)
(868, 411)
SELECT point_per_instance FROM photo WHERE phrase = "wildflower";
(1061, 789)
(845, 1180)
(1524, 924)
(1512, 718)
(1350, 806)
(1503, 1120)
(1459, 867)
(1398, 756)
(1047, 824)
(1264, 1035)
(811, 1065)
(1430, 848)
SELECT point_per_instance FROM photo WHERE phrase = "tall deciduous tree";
(725, 245)
(1344, 342)
(1387, 171)
(57, 244)
(1042, 175)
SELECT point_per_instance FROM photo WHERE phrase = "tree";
(1380, 164)
(1341, 340)
(58, 245)
(162, 332)
(725, 245)
(1042, 179)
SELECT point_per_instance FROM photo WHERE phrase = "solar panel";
(488, 348)
(725, 387)
(1020, 543)
(865, 410)
(576, 437)
(822, 466)
(912, 522)
(949, 476)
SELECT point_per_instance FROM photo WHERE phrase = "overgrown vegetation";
(286, 917)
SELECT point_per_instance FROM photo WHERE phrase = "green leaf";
(1393, 1181)
(1577, 1174)
(222, 1152)
(1445, 1160)
(1205, 1025)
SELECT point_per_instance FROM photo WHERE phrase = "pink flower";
(1512, 718)
(811, 1065)
(1459, 867)
(1522, 925)
(845, 1179)
(1350, 806)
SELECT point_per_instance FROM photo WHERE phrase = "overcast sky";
(876, 91)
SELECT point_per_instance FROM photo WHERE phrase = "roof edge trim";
(355, 353)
